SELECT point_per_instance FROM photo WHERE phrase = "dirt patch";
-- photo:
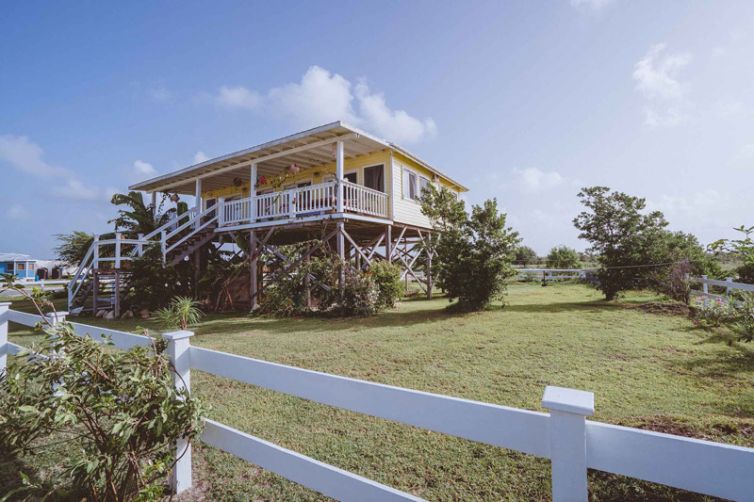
(665, 308)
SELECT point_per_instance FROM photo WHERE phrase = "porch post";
(339, 156)
(198, 201)
(253, 193)
(428, 250)
(154, 205)
(253, 289)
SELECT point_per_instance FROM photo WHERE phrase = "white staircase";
(110, 259)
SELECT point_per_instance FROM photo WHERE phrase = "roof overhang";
(306, 149)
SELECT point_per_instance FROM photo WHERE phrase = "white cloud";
(747, 152)
(17, 212)
(592, 4)
(160, 93)
(656, 77)
(76, 190)
(200, 157)
(321, 97)
(26, 156)
(532, 179)
(141, 168)
(238, 97)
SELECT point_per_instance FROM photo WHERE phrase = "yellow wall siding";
(406, 210)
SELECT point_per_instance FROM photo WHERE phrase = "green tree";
(474, 252)
(73, 247)
(622, 234)
(742, 249)
(525, 255)
(563, 257)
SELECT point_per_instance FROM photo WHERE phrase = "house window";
(374, 178)
(413, 185)
(20, 266)
(423, 184)
(350, 177)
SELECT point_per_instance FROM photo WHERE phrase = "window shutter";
(406, 184)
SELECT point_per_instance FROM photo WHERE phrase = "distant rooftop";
(15, 257)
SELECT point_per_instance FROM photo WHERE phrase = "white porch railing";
(305, 201)
(564, 436)
(361, 199)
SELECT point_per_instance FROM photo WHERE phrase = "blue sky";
(523, 101)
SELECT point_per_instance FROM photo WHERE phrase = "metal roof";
(308, 148)
(15, 257)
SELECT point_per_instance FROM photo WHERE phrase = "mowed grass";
(646, 369)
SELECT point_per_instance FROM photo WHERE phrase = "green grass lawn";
(645, 369)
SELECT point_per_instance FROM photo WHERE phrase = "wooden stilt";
(389, 243)
(342, 255)
(253, 258)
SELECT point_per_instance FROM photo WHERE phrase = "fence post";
(729, 287)
(705, 287)
(567, 429)
(4, 307)
(179, 352)
(56, 317)
(140, 245)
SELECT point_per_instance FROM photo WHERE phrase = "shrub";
(743, 316)
(563, 257)
(117, 412)
(474, 251)
(286, 294)
(387, 278)
(715, 313)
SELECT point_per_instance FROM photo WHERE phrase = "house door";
(374, 177)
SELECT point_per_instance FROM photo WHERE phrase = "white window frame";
(406, 171)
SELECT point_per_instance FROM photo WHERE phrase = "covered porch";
(303, 177)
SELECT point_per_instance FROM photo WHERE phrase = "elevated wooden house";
(334, 185)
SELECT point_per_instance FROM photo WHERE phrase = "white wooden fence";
(728, 284)
(551, 274)
(572, 443)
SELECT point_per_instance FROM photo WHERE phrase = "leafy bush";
(474, 252)
(563, 257)
(743, 317)
(152, 285)
(314, 288)
(387, 278)
(117, 412)
(715, 313)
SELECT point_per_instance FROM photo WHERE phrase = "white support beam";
(198, 200)
(253, 193)
(339, 161)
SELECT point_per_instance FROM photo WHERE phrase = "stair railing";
(201, 225)
(77, 281)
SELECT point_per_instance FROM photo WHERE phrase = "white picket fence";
(564, 436)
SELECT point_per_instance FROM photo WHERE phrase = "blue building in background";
(23, 266)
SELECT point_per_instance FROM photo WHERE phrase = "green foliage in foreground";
(654, 371)
(117, 414)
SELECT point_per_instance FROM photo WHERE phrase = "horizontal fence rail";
(563, 435)
(324, 478)
(522, 430)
